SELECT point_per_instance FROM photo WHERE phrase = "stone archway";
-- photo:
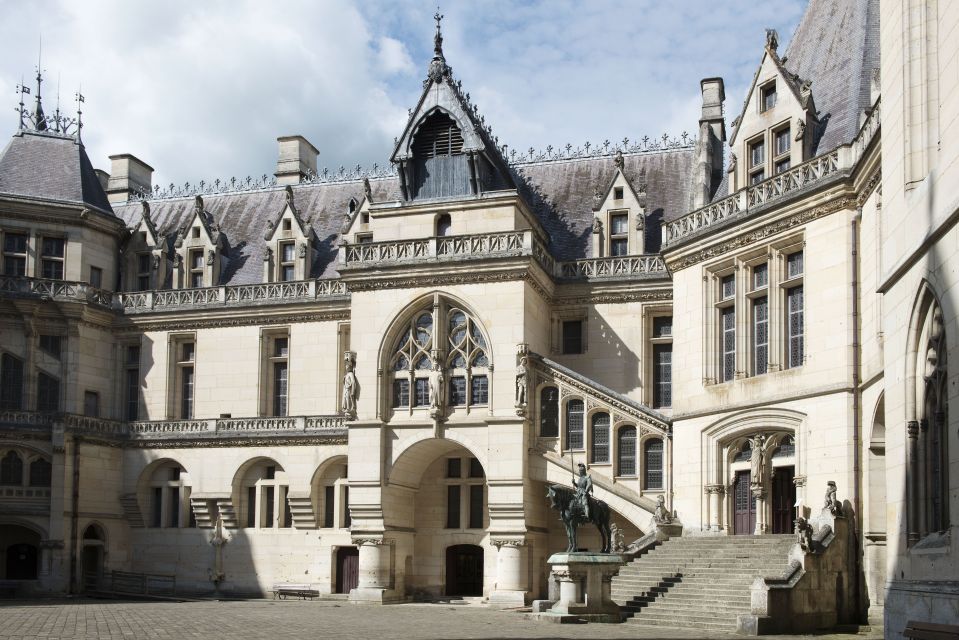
(19, 552)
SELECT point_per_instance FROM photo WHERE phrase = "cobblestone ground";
(315, 620)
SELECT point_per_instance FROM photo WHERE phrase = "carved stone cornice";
(438, 279)
(658, 295)
(508, 542)
(376, 542)
(254, 318)
(761, 233)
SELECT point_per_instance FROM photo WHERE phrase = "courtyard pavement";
(314, 620)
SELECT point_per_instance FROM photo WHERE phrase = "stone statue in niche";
(756, 461)
(437, 384)
(522, 382)
(350, 386)
(832, 503)
(662, 514)
(804, 534)
(597, 225)
(732, 162)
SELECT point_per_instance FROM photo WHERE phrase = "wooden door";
(784, 499)
(347, 569)
(464, 570)
(744, 505)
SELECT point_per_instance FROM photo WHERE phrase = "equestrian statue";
(577, 506)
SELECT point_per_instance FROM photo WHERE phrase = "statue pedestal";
(584, 587)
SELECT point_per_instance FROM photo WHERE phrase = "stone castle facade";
(369, 379)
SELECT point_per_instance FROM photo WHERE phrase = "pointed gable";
(446, 149)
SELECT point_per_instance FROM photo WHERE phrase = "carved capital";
(715, 488)
(912, 429)
(499, 543)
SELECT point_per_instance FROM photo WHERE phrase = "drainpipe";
(74, 507)
(856, 399)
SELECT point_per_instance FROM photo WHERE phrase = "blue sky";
(201, 90)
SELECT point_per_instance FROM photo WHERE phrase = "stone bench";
(287, 589)
(930, 631)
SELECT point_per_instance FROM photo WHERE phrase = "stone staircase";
(700, 582)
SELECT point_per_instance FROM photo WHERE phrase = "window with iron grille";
(728, 287)
(662, 375)
(794, 265)
(11, 383)
(15, 254)
(51, 258)
(479, 390)
(760, 335)
(549, 412)
(663, 327)
(574, 424)
(600, 437)
(795, 327)
(626, 448)
(48, 393)
(653, 464)
(760, 276)
(728, 343)
(458, 391)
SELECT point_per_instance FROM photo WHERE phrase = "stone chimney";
(712, 136)
(102, 177)
(128, 175)
(297, 158)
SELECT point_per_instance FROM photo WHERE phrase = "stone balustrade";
(266, 293)
(613, 267)
(59, 290)
(333, 425)
(819, 170)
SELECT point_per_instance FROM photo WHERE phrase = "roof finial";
(438, 67)
(80, 100)
(23, 90)
(39, 120)
(772, 39)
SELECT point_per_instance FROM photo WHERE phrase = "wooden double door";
(464, 570)
(783, 496)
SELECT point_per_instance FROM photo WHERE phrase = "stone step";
(667, 567)
(714, 624)
(745, 580)
(691, 607)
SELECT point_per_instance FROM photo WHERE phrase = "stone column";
(512, 577)
(912, 482)
(715, 493)
(760, 494)
(374, 570)
(570, 590)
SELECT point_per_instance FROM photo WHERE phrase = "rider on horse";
(584, 486)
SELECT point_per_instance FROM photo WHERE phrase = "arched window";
(40, 473)
(745, 452)
(443, 225)
(11, 469)
(465, 370)
(627, 451)
(934, 422)
(549, 412)
(264, 496)
(599, 437)
(786, 448)
(170, 497)
(653, 464)
(574, 424)
(438, 136)
(11, 383)
(468, 361)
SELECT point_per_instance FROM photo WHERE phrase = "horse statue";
(563, 499)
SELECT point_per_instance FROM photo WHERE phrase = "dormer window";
(439, 136)
(619, 234)
(287, 225)
(287, 261)
(143, 271)
(617, 193)
(196, 267)
(767, 97)
(757, 161)
(196, 232)
(782, 144)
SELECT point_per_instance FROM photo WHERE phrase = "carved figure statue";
(618, 543)
(584, 486)
(804, 534)
(564, 500)
(832, 503)
(597, 225)
(350, 386)
(368, 190)
(732, 162)
(756, 461)
(437, 384)
(218, 539)
(618, 160)
(662, 514)
(522, 382)
(800, 129)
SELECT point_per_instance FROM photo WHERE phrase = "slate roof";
(52, 167)
(836, 46)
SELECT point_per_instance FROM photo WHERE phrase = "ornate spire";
(438, 67)
(39, 119)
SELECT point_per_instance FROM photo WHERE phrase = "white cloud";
(202, 90)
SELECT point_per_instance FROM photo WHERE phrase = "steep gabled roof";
(51, 166)
(272, 223)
